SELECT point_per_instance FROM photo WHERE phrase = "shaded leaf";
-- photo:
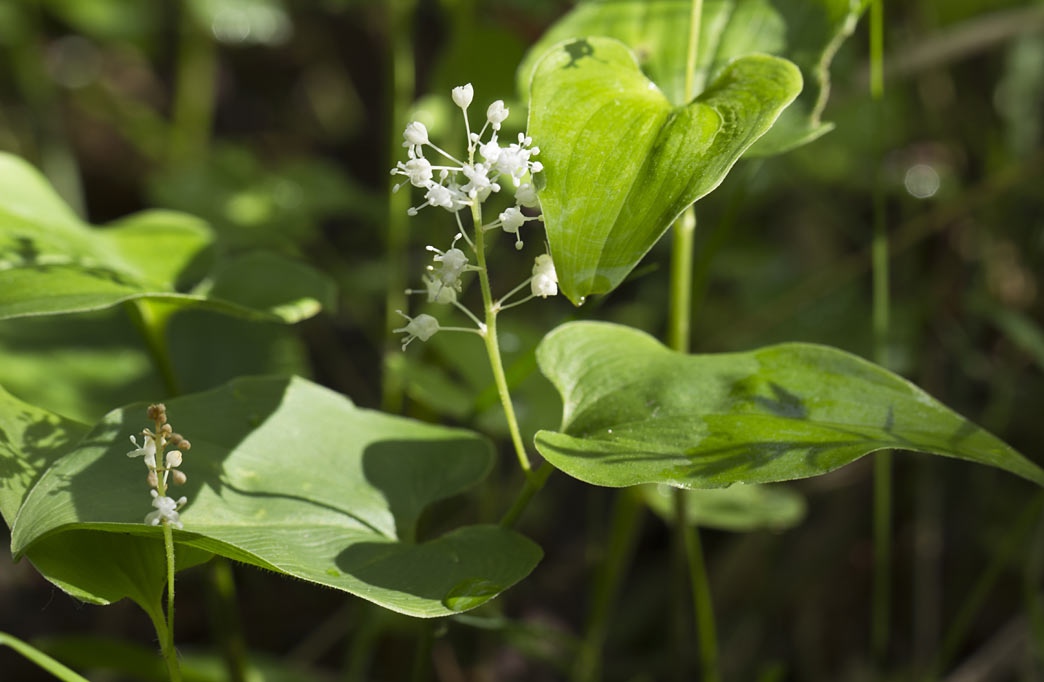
(51, 262)
(738, 508)
(292, 477)
(807, 32)
(637, 412)
(621, 163)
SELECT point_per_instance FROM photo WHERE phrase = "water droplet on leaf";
(467, 594)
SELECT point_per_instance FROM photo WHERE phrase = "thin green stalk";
(976, 597)
(194, 92)
(151, 321)
(396, 225)
(489, 335)
(882, 505)
(422, 655)
(41, 659)
(165, 630)
(225, 616)
(533, 485)
(678, 337)
(623, 534)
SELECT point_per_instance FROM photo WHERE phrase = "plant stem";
(492, 346)
(193, 108)
(396, 228)
(882, 511)
(151, 320)
(627, 514)
(533, 485)
(224, 614)
(703, 605)
(166, 637)
(41, 659)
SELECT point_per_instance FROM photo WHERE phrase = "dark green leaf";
(621, 163)
(289, 476)
(636, 412)
(738, 508)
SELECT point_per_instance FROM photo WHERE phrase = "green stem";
(224, 612)
(680, 318)
(167, 644)
(195, 87)
(41, 659)
(489, 335)
(882, 511)
(422, 655)
(623, 533)
(396, 228)
(976, 597)
(533, 485)
(151, 321)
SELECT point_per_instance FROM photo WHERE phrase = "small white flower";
(479, 185)
(545, 279)
(462, 95)
(514, 160)
(435, 290)
(166, 511)
(510, 220)
(415, 135)
(173, 459)
(490, 151)
(417, 170)
(452, 263)
(422, 327)
(148, 449)
(496, 114)
(526, 195)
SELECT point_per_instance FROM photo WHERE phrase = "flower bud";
(173, 459)
(184, 445)
(152, 479)
(496, 114)
(415, 134)
(462, 95)
(178, 477)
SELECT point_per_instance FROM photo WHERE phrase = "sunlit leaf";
(807, 32)
(637, 412)
(292, 477)
(621, 163)
(51, 262)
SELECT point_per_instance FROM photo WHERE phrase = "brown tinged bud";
(178, 477)
(184, 445)
(153, 479)
(167, 430)
(174, 439)
(158, 413)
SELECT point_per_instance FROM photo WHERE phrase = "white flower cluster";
(490, 167)
(154, 444)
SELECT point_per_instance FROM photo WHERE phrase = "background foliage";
(109, 99)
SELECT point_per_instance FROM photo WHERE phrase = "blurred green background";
(276, 121)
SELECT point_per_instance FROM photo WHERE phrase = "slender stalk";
(533, 485)
(623, 533)
(396, 225)
(882, 505)
(492, 345)
(166, 632)
(151, 321)
(225, 616)
(41, 659)
(422, 656)
(194, 92)
(678, 337)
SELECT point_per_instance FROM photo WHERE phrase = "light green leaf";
(292, 477)
(636, 412)
(51, 262)
(621, 163)
(738, 508)
(807, 32)
(96, 567)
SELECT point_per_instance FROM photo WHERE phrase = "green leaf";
(51, 262)
(96, 567)
(289, 476)
(807, 32)
(738, 508)
(621, 163)
(636, 412)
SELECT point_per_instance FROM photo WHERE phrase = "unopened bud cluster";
(452, 184)
(162, 466)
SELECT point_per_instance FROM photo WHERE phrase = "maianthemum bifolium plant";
(631, 121)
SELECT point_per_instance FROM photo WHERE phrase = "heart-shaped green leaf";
(738, 508)
(81, 563)
(637, 412)
(621, 163)
(51, 262)
(292, 477)
(807, 32)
